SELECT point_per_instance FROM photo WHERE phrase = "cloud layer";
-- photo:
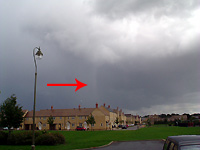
(138, 55)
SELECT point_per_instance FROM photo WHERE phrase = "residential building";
(69, 119)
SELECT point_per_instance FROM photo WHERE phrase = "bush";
(50, 139)
(3, 137)
(25, 138)
(22, 138)
(44, 131)
(46, 139)
(60, 139)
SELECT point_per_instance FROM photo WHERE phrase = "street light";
(39, 55)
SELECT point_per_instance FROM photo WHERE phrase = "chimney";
(104, 104)
(108, 106)
(96, 105)
(51, 107)
(79, 107)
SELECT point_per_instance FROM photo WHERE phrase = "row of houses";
(156, 118)
(69, 119)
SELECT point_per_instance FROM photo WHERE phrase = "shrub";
(50, 139)
(46, 139)
(3, 137)
(25, 138)
(44, 131)
(60, 139)
(22, 138)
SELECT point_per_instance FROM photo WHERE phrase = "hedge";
(25, 138)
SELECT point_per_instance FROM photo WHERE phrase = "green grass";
(78, 140)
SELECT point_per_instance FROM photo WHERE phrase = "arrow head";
(79, 85)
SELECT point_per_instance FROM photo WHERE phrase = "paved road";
(129, 128)
(134, 145)
(132, 128)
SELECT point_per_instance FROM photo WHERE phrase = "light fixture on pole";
(39, 55)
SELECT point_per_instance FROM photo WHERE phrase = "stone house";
(69, 119)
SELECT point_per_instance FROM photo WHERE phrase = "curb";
(96, 147)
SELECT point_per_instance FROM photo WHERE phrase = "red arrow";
(79, 84)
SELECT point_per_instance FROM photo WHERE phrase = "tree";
(149, 122)
(117, 121)
(50, 121)
(91, 120)
(11, 114)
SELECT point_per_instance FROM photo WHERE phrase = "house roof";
(102, 109)
(128, 115)
(61, 112)
(115, 110)
(109, 109)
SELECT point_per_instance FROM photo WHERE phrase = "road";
(134, 145)
(129, 128)
(132, 128)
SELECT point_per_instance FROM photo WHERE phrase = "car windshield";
(190, 147)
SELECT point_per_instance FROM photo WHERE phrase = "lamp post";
(39, 54)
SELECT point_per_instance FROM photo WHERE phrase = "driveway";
(136, 145)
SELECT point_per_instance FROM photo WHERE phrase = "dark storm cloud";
(156, 80)
(120, 9)
(140, 64)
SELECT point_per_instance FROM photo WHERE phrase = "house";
(120, 115)
(112, 116)
(156, 118)
(133, 119)
(69, 119)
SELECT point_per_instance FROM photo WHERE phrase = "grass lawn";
(86, 139)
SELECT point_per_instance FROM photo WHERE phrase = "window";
(80, 117)
(85, 117)
(68, 117)
(101, 124)
(60, 118)
(92, 125)
(73, 118)
(40, 118)
(80, 124)
(62, 124)
(73, 125)
(44, 118)
(27, 118)
(44, 125)
(54, 118)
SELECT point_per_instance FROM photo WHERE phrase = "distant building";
(133, 119)
(156, 118)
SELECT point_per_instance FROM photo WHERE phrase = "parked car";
(182, 142)
(6, 128)
(78, 128)
(119, 126)
(124, 127)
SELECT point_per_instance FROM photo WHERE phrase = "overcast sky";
(142, 56)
